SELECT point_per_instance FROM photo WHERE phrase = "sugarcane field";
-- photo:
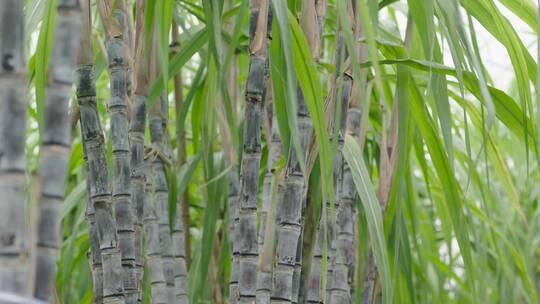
(269, 151)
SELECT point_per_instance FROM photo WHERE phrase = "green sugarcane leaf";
(42, 55)
(163, 16)
(370, 203)
(283, 32)
(313, 95)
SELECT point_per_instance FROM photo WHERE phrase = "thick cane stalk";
(136, 139)
(274, 154)
(315, 288)
(347, 218)
(100, 212)
(161, 193)
(56, 143)
(230, 151)
(86, 99)
(291, 201)
(267, 218)
(340, 287)
(151, 237)
(117, 51)
(180, 235)
(179, 263)
(181, 143)
(14, 241)
(265, 267)
(249, 177)
(94, 256)
(154, 192)
(233, 223)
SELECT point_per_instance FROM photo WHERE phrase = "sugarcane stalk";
(249, 174)
(99, 212)
(114, 20)
(273, 142)
(87, 101)
(266, 259)
(274, 154)
(106, 260)
(346, 219)
(233, 223)
(155, 193)
(56, 138)
(180, 235)
(94, 255)
(335, 285)
(267, 221)
(137, 126)
(151, 237)
(267, 218)
(179, 264)
(183, 201)
(14, 239)
(312, 15)
(230, 152)
(291, 202)
(158, 135)
(289, 207)
(341, 284)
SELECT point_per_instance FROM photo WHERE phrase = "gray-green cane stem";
(151, 238)
(249, 181)
(56, 139)
(14, 246)
(100, 211)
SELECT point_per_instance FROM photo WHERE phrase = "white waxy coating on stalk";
(14, 241)
(56, 138)
(249, 174)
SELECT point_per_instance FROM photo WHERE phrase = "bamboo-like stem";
(114, 20)
(151, 237)
(356, 127)
(56, 143)
(349, 196)
(249, 176)
(267, 218)
(315, 16)
(230, 152)
(233, 223)
(334, 284)
(341, 283)
(87, 102)
(274, 151)
(183, 201)
(155, 193)
(265, 267)
(158, 136)
(100, 213)
(179, 264)
(291, 201)
(266, 233)
(136, 138)
(94, 256)
(338, 282)
(15, 243)
(180, 235)
(274, 154)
